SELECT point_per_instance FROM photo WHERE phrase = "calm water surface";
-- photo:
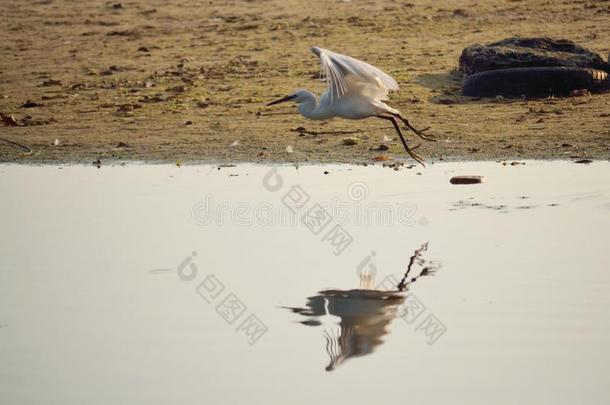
(252, 284)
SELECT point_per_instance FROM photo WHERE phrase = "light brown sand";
(134, 76)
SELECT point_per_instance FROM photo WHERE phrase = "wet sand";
(182, 80)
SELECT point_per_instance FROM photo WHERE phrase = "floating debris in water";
(466, 179)
(159, 271)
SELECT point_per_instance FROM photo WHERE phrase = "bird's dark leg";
(421, 133)
(410, 151)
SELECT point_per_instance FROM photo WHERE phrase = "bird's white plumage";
(346, 75)
(356, 90)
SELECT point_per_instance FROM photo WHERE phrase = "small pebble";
(351, 141)
(382, 147)
(580, 93)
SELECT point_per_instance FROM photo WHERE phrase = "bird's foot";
(422, 134)
(415, 156)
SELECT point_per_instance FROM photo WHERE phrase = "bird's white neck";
(309, 107)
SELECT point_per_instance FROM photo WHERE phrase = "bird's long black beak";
(282, 100)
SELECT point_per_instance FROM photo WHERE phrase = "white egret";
(356, 90)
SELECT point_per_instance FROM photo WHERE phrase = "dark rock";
(528, 52)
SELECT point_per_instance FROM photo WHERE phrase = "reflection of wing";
(345, 74)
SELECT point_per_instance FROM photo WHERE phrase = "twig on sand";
(303, 131)
(27, 149)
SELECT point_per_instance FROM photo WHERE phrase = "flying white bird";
(356, 90)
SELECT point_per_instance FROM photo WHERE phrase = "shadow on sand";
(448, 85)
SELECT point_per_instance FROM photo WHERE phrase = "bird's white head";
(299, 96)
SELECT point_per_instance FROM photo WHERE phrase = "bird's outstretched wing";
(345, 74)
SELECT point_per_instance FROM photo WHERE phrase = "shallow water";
(159, 284)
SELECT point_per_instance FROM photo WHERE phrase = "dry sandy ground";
(182, 80)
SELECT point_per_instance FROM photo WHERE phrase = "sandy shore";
(183, 80)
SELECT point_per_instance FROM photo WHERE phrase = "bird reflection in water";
(363, 315)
